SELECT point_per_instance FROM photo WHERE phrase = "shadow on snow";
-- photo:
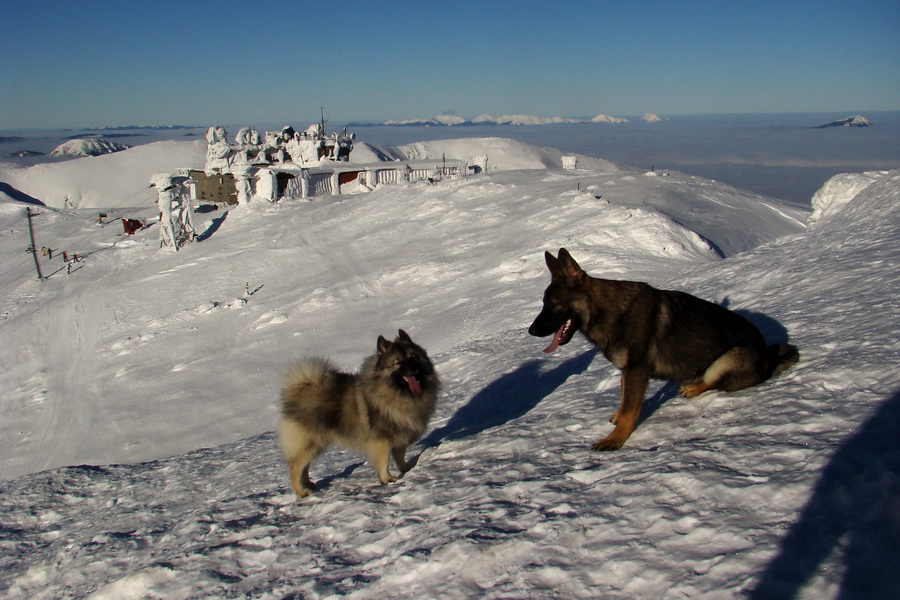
(213, 227)
(507, 398)
(854, 509)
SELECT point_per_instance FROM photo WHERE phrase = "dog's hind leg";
(298, 451)
(399, 455)
(634, 386)
(379, 453)
(735, 370)
(299, 473)
(298, 468)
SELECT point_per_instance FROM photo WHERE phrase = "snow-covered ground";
(139, 392)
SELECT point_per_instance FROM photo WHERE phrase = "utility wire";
(71, 243)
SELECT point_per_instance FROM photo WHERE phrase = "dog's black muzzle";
(544, 324)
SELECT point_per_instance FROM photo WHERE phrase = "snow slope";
(111, 180)
(503, 154)
(132, 337)
(161, 370)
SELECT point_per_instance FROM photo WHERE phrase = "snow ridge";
(487, 119)
(839, 191)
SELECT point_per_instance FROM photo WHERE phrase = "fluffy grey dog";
(380, 411)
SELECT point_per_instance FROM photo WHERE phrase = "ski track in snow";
(165, 362)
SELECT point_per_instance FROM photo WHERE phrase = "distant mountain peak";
(486, 119)
(854, 121)
(91, 146)
(608, 119)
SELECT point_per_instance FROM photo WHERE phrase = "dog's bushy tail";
(781, 357)
(310, 369)
(310, 373)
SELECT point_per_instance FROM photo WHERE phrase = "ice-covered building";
(176, 227)
(292, 164)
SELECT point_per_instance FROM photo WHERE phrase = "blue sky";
(100, 63)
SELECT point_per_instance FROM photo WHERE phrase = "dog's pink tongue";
(556, 339)
(414, 386)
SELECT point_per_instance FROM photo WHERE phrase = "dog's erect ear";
(553, 265)
(568, 267)
(383, 345)
(403, 336)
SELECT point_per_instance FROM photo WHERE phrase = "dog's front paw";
(608, 443)
(387, 480)
(304, 492)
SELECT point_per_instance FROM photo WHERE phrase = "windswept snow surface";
(158, 372)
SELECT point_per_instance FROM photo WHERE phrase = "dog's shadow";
(325, 482)
(507, 398)
(773, 331)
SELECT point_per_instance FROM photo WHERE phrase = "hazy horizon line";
(375, 122)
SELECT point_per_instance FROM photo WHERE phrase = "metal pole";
(33, 249)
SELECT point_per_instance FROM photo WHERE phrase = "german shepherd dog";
(647, 332)
(380, 411)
